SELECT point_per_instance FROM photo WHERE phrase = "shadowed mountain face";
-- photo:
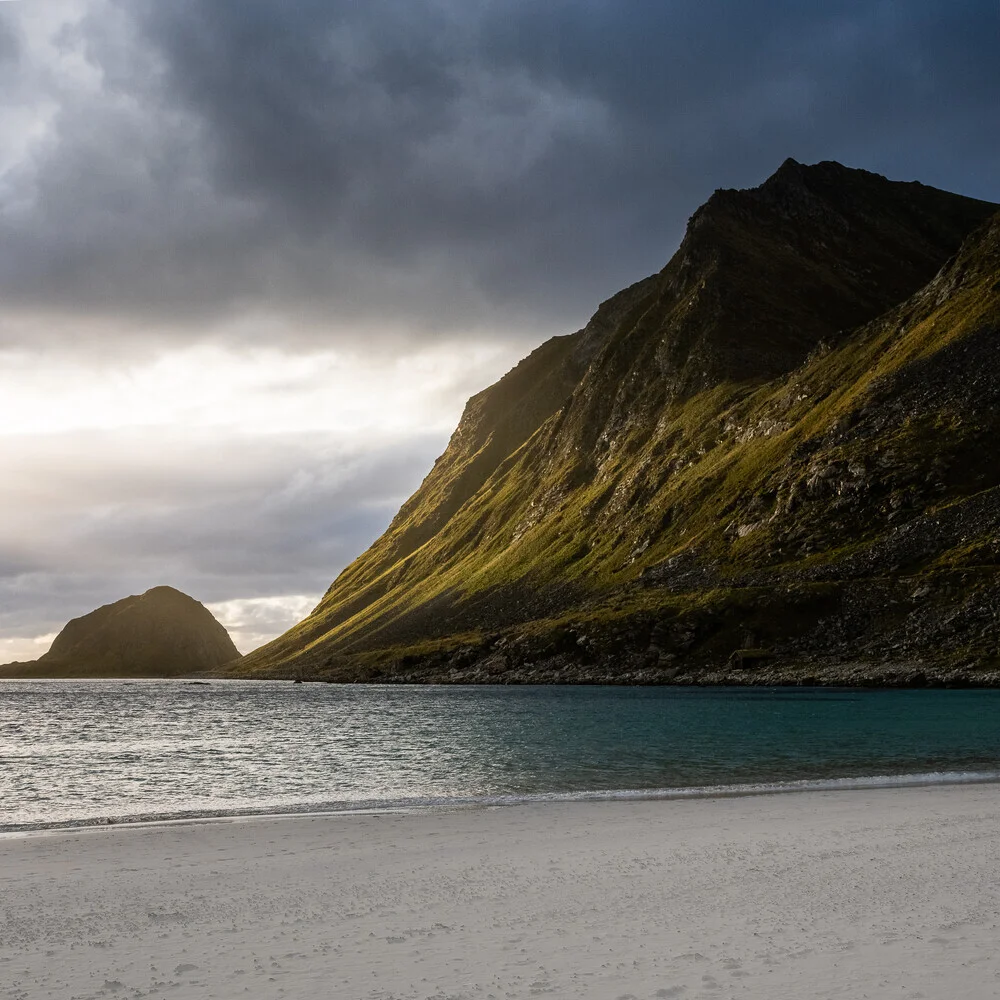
(730, 464)
(161, 633)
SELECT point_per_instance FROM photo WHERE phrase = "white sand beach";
(860, 894)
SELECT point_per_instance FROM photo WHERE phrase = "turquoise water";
(81, 752)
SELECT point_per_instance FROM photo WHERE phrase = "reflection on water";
(72, 751)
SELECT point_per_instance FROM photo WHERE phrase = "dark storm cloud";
(360, 115)
(447, 164)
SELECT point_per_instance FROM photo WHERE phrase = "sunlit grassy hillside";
(775, 457)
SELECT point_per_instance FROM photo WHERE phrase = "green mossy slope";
(773, 460)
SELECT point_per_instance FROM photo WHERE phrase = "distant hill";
(161, 633)
(774, 460)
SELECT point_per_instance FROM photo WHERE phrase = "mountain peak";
(165, 593)
(791, 171)
(812, 252)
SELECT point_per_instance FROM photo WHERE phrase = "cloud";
(10, 48)
(234, 475)
(87, 519)
(253, 622)
(257, 390)
(399, 170)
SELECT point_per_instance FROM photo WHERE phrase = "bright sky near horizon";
(254, 256)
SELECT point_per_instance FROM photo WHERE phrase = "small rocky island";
(161, 633)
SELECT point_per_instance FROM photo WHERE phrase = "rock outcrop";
(161, 633)
(774, 460)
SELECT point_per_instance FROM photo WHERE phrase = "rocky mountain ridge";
(770, 461)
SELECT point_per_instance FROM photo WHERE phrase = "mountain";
(774, 460)
(161, 633)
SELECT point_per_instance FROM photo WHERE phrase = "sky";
(254, 256)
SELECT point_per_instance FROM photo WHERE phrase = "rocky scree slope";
(161, 633)
(772, 461)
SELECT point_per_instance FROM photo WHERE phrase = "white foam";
(345, 807)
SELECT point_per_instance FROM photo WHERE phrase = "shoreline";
(821, 895)
(855, 675)
(848, 677)
(440, 669)
(418, 806)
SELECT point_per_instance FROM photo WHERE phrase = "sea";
(79, 753)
